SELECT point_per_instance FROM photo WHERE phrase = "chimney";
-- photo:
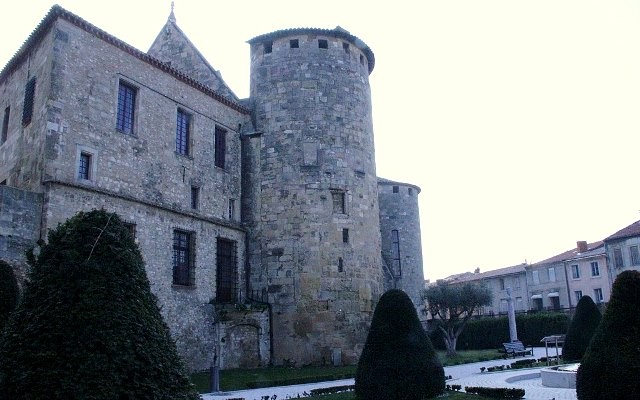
(582, 246)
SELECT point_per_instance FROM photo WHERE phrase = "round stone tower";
(401, 243)
(312, 207)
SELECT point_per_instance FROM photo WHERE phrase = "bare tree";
(454, 306)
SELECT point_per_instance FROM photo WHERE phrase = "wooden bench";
(516, 349)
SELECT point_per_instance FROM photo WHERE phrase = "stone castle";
(266, 233)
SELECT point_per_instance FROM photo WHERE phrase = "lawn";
(238, 379)
(447, 396)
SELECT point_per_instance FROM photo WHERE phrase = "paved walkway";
(464, 375)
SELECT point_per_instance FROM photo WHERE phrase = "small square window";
(323, 44)
(345, 235)
(578, 294)
(396, 189)
(268, 47)
(84, 166)
(345, 46)
(195, 197)
(294, 43)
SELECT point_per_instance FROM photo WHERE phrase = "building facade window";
(535, 275)
(501, 283)
(595, 269)
(575, 271)
(396, 189)
(226, 271)
(504, 306)
(597, 296)
(220, 147)
(183, 258)
(618, 262)
(340, 264)
(5, 125)
(634, 255)
(338, 200)
(126, 108)
(345, 235)
(29, 98)
(578, 294)
(396, 262)
(516, 282)
(519, 304)
(183, 132)
(552, 274)
(195, 197)
(84, 166)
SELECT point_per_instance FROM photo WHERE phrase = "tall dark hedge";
(610, 368)
(88, 326)
(8, 292)
(491, 332)
(398, 360)
(581, 330)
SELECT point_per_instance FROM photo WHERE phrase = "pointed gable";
(172, 46)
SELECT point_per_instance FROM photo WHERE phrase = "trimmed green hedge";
(581, 330)
(496, 393)
(611, 365)
(491, 332)
(8, 292)
(398, 360)
(87, 326)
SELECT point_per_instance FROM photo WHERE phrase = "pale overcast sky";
(518, 119)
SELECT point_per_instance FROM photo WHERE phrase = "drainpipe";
(566, 280)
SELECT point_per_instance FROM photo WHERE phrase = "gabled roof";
(173, 47)
(56, 12)
(571, 254)
(631, 230)
(337, 32)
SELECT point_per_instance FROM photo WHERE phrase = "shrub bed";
(496, 393)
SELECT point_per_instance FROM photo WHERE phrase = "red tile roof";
(631, 230)
(569, 254)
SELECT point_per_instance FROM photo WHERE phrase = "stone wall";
(403, 257)
(316, 252)
(20, 212)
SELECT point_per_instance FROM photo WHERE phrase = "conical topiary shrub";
(88, 326)
(610, 367)
(398, 360)
(8, 292)
(581, 330)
